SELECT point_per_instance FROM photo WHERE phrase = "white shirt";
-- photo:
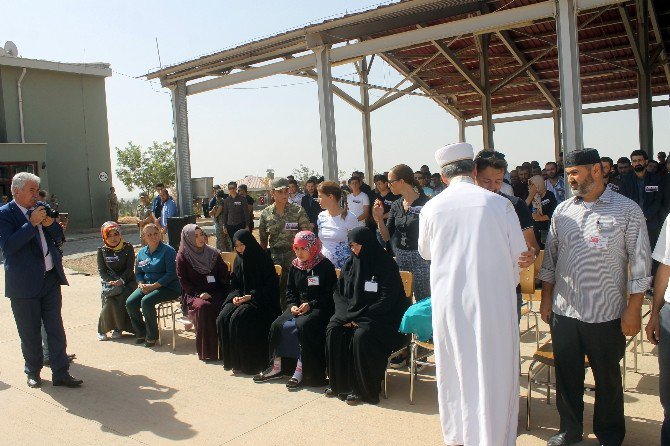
(48, 260)
(333, 233)
(507, 189)
(356, 203)
(662, 252)
(296, 199)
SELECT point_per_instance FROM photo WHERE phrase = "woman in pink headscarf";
(300, 331)
(204, 282)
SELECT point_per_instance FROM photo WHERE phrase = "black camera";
(51, 213)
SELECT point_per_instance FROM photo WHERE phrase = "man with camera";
(30, 241)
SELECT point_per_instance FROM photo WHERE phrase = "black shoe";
(34, 381)
(71, 357)
(139, 340)
(353, 399)
(294, 384)
(149, 343)
(398, 362)
(562, 439)
(68, 381)
(330, 393)
(267, 375)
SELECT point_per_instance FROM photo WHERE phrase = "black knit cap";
(581, 158)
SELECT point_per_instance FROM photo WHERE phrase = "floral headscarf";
(108, 227)
(309, 241)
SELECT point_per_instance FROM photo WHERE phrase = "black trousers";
(604, 344)
(29, 315)
(232, 229)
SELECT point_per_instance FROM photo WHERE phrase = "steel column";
(461, 130)
(568, 65)
(363, 72)
(182, 153)
(556, 114)
(324, 82)
(646, 126)
(487, 114)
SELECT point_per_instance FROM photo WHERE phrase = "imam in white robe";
(474, 240)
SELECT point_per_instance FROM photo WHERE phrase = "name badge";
(357, 201)
(598, 242)
(651, 188)
(111, 259)
(143, 263)
(388, 202)
(545, 202)
(313, 281)
(614, 187)
(211, 279)
(291, 226)
(371, 286)
(237, 203)
(414, 209)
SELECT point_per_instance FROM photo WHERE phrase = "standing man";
(386, 198)
(658, 328)
(242, 190)
(143, 214)
(235, 214)
(310, 203)
(476, 334)
(278, 225)
(593, 239)
(157, 204)
(521, 188)
(611, 181)
(30, 242)
(168, 209)
(358, 201)
(113, 205)
(623, 166)
(644, 188)
(554, 183)
(222, 240)
(294, 194)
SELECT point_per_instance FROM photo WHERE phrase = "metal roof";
(523, 61)
(89, 69)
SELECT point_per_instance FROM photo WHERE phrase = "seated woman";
(116, 260)
(300, 332)
(363, 332)
(157, 282)
(203, 277)
(251, 306)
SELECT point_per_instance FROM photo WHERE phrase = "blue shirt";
(157, 206)
(159, 266)
(169, 210)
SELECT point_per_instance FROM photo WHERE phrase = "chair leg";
(531, 376)
(641, 343)
(635, 343)
(386, 378)
(412, 372)
(174, 332)
(624, 371)
(549, 369)
(537, 332)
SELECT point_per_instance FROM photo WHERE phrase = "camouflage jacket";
(278, 231)
(143, 211)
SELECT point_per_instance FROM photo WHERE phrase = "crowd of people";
(331, 317)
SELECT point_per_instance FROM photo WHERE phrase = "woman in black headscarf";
(250, 308)
(369, 304)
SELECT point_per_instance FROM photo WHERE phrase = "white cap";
(454, 152)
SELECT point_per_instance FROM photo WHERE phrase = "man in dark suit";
(34, 273)
(645, 189)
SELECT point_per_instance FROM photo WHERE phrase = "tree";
(142, 168)
(303, 173)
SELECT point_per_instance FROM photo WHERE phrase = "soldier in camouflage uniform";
(279, 223)
(143, 214)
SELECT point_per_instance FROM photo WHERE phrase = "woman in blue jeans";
(156, 275)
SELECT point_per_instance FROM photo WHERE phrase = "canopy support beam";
(363, 71)
(182, 153)
(644, 94)
(324, 82)
(487, 113)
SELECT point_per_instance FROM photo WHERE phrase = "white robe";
(474, 240)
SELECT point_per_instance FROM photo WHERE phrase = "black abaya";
(243, 329)
(357, 356)
(311, 327)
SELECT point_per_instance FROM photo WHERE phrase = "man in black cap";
(644, 188)
(593, 239)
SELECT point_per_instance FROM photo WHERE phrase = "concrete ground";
(135, 395)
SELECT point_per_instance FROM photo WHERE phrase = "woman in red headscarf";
(116, 261)
(300, 331)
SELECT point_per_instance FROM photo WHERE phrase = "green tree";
(303, 173)
(141, 168)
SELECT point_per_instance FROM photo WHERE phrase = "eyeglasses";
(393, 181)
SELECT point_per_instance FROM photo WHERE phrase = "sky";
(272, 122)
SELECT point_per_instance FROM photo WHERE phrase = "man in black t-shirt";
(386, 197)
(242, 190)
(489, 171)
(310, 203)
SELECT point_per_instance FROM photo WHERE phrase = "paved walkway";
(134, 395)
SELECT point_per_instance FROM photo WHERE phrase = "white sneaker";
(102, 336)
(116, 334)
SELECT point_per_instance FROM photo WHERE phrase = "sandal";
(294, 384)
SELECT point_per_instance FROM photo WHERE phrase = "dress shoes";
(34, 381)
(562, 439)
(68, 381)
